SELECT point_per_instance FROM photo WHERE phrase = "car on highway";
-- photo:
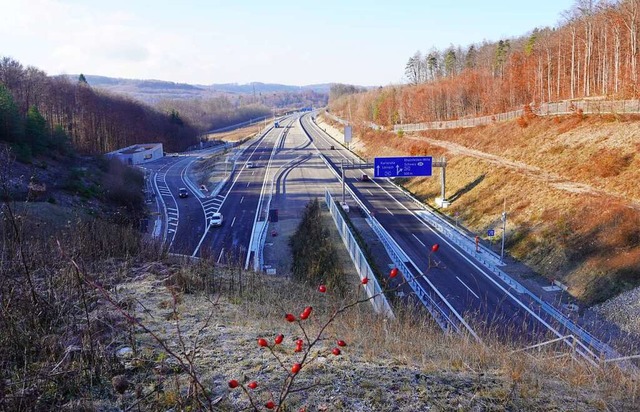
(183, 192)
(216, 219)
(250, 165)
(364, 178)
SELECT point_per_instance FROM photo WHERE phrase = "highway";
(480, 300)
(485, 302)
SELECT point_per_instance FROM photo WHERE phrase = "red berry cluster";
(300, 347)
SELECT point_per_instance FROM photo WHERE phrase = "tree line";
(593, 52)
(223, 111)
(39, 112)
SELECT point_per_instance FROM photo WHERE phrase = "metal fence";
(238, 125)
(378, 299)
(544, 109)
(336, 118)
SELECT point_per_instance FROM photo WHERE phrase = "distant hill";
(257, 87)
(152, 91)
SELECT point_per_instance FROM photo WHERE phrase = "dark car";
(183, 192)
(364, 178)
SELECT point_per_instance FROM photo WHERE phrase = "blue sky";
(290, 42)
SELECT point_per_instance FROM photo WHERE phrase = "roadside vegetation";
(95, 317)
(315, 259)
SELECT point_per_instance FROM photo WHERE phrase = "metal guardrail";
(432, 301)
(445, 227)
(372, 288)
(436, 308)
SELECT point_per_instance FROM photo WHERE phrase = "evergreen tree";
(82, 79)
(36, 131)
(10, 127)
(175, 118)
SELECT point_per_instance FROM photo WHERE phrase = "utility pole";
(343, 188)
(504, 228)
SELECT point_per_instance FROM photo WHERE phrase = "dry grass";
(401, 365)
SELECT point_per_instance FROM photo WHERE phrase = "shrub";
(314, 256)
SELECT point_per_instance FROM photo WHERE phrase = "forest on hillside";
(39, 112)
(593, 53)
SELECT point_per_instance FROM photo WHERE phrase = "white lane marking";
(370, 192)
(390, 212)
(253, 173)
(241, 199)
(233, 221)
(248, 183)
(419, 240)
(468, 288)
(220, 257)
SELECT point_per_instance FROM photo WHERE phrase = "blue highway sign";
(402, 166)
(491, 232)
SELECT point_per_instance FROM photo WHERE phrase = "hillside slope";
(569, 185)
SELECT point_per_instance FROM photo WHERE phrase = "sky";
(241, 41)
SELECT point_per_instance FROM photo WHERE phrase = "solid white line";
(233, 221)
(390, 212)
(370, 192)
(220, 257)
(419, 240)
(468, 288)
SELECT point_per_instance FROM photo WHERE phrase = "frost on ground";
(386, 366)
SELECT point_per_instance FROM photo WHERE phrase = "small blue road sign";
(403, 166)
(491, 232)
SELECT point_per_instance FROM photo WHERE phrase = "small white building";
(138, 153)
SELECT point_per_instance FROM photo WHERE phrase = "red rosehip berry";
(322, 288)
(365, 281)
(270, 405)
(233, 383)
(296, 368)
(336, 351)
(263, 342)
(298, 348)
(289, 317)
(435, 247)
(306, 312)
(299, 342)
(393, 273)
(341, 343)
(279, 339)
(253, 385)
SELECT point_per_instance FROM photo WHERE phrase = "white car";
(249, 165)
(216, 219)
